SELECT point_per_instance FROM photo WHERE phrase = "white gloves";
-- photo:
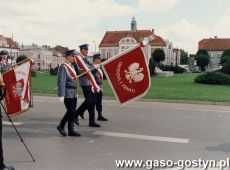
(61, 99)
(97, 66)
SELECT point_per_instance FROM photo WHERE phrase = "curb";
(154, 100)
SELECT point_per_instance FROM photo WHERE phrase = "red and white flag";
(17, 81)
(128, 74)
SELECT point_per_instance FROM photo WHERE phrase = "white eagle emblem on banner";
(134, 73)
(18, 89)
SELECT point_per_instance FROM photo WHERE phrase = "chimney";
(215, 37)
(153, 31)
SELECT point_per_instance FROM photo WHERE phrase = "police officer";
(88, 103)
(98, 95)
(3, 60)
(2, 165)
(67, 93)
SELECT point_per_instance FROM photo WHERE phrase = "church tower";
(133, 25)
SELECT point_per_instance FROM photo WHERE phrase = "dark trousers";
(88, 104)
(1, 150)
(98, 101)
(70, 104)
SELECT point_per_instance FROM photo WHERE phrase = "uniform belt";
(70, 87)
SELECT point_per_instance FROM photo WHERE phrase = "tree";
(225, 56)
(224, 60)
(158, 55)
(202, 51)
(20, 58)
(202, 61)
(151, 66)
(184, 57)
(226, 53)
(226, 67)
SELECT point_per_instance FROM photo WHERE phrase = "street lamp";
(94, 46)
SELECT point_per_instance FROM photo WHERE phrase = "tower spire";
(133, 25)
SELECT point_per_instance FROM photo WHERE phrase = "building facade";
(44, 58)
(115, 42)
(215, 47)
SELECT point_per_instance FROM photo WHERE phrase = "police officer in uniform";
(98, 95)
(3, 60)
(88, 103)
(2, 165)
(67, 94)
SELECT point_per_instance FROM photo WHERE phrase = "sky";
(74, 22)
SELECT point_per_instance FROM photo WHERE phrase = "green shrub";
(213, 78)
(179, 70)
(33, 73)
(167, 67)
(175, 69)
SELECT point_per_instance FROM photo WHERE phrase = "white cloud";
(72, 22)
(184, 34)
(57, 21)
(66, 22)
(221, 29)
(157, 5)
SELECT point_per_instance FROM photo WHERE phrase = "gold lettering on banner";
(119, 79)
(20, 72)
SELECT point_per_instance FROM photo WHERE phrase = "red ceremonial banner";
(17, 82)
(128, 74)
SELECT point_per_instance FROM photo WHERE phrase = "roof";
(112, 38)
(61, 48)
(214, 44)
(31, 47)
(11, 43)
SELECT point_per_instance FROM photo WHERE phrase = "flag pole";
(144, 42)
(10, 120)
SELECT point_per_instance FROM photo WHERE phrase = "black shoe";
(94, 125)
(8, 168)
(101, 118)
(82, 116)
(76, 122)
(61, 131)
(73, 133)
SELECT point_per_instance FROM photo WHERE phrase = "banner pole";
(144, 42)
(18, 133)
(31, 94)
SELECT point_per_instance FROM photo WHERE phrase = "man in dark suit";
(98, 95)
(67, 93)
(2, 165)
(86, 85)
